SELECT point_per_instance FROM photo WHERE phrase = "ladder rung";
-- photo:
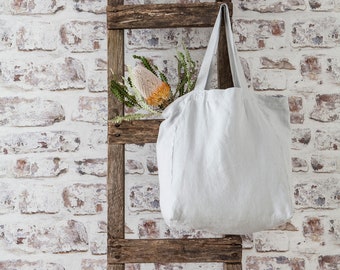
(227, 250)
(162, 15)
(138, 131)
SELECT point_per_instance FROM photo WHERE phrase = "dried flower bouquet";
(146, 88)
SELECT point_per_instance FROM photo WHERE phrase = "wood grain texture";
(175, 250)
(162, 15)
(238, 265)
(140, 131)
(119, 266)
(115, 170)
(228, 266)
(224, 76)
(115, 58)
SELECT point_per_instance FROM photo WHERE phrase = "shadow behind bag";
(223, 155)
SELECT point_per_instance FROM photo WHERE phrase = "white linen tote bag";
(223, 155)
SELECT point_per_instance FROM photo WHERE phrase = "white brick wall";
(53, 134)
(53, 131)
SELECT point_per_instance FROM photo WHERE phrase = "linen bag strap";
(235, 64)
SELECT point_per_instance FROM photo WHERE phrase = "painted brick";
(299, 165)
(133, 166)
(101, 64)
(144, 198)
(288, 226)
(151, 148)
(79, 36)
(329, 262)
(37, 142)
(323, 164)
(37, 167)
(60, 237)
(276, 63)
(167, 232)
(333, 68)
(91, 110)
(93, 6)
(97, 82)
(98, 138)
(324, 5)
(8, 199)
(151, 165)
(296, 110)
(327, 108)
(153, 38)
(135, 148)
(102, 226)
(259, 34)
(31, 7)
(280, 262)
(273, 6)
(99, 245)
(168, 38)
(128, 230)
(29, 265)
(327, 140)
(70, 74)
(196, 38)
(271, 241)
(318, 194)
(7, 35)
(300, 138)
(316, 33)
(173, 266)
(71, 236)
(270, 80)
(335, 230)
(92, 166)
(246, 69)
(85, 199)
(22, 112)
(149, 229)
(4, 165)
(311, 67)
(134, 266)
(181, 266)
(39, 199)
(56, 74)
(313, 228)
(37, 36)
(247, 241)
(93, 264)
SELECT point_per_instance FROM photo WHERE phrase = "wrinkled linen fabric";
(223, 154)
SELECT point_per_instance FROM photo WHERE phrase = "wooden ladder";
(121, 251)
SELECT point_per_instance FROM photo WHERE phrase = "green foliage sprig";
(121, 92)
(187, 73)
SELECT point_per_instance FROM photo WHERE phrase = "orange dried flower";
(154, 91)
(159, 96)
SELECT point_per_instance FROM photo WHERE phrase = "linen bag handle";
(235, 64)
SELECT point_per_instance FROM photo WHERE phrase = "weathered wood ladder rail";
(227, 250)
